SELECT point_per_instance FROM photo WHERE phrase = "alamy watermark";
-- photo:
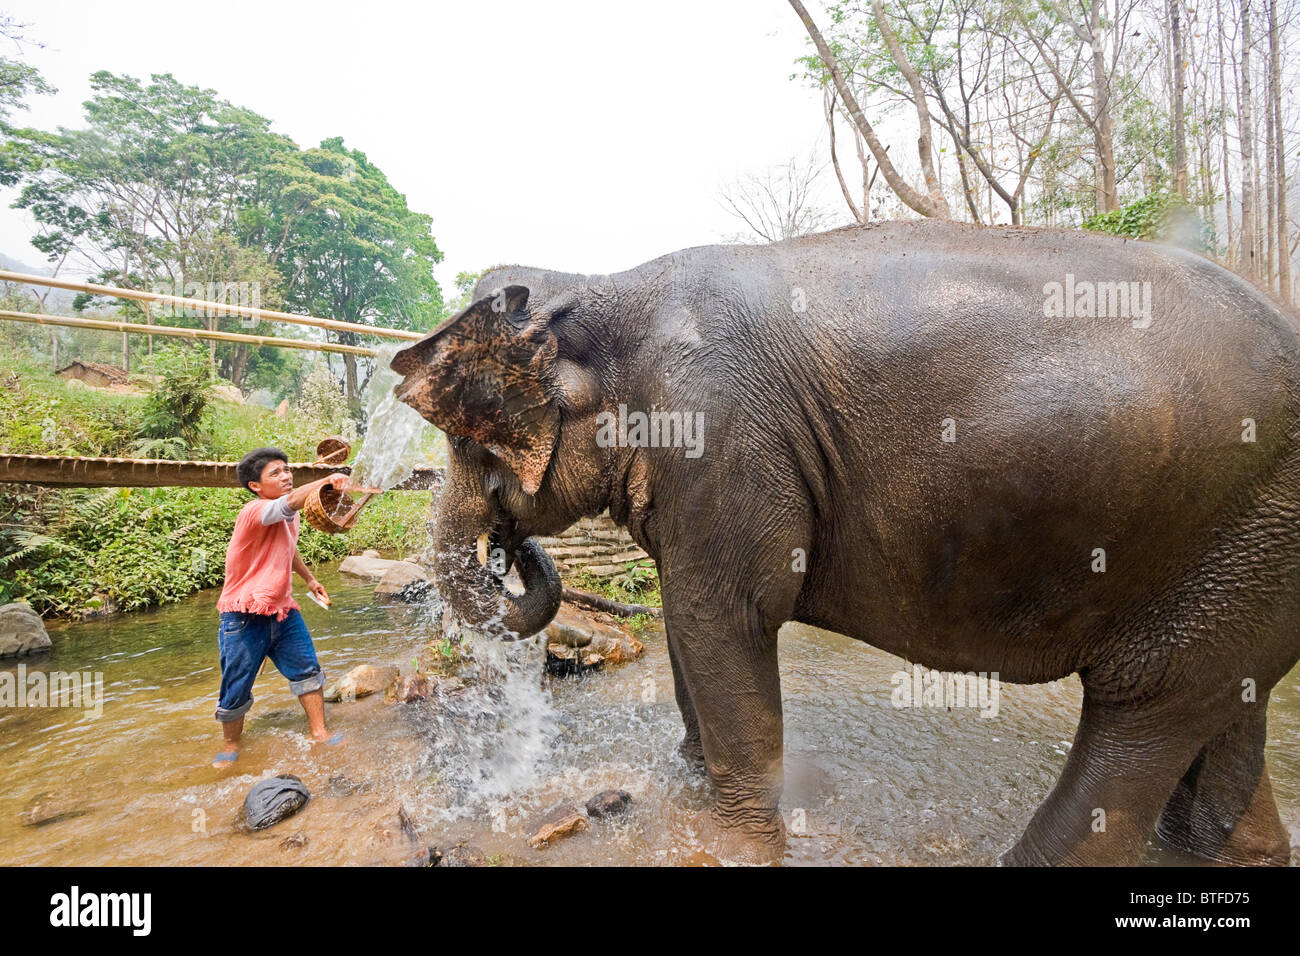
(1084, 299)
(220, 295)
(930, 688)
(82, 689)
(653, 429)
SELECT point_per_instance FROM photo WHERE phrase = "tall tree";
(1249, 259)
(928, 203)
(356, 252)
(1178, 82)
(1279, 153)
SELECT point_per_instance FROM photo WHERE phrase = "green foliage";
(172, 419)
(42, 415)
(144, 546)
(17, 81)
(1161, 215)
(638, 584)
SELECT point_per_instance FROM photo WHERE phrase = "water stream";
(869, 782)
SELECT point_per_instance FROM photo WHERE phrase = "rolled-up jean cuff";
(226, 716)
(308, 684)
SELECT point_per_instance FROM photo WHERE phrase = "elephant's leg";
(1122, 767)
(728, 662)
(691, 749)
(1222, 809)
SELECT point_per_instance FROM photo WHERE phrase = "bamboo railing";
(217, 308)
(135, 328)
(83, 472)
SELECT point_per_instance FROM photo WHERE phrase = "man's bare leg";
(313, 702)
(230, 731)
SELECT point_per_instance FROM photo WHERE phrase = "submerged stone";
(609, 803)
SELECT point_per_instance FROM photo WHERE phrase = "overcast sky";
(579, 136)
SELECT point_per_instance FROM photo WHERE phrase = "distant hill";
(58, 300)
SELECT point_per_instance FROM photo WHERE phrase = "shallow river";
(866, 782)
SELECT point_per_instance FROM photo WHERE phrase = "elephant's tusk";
(483, 549)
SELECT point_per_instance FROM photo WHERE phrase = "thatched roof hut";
(93, 373)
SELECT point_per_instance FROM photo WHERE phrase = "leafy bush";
(323, 400)
(1161, 215)
(172, 424)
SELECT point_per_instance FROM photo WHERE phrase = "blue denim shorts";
(245, 640)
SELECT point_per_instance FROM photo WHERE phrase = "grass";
(638, 584)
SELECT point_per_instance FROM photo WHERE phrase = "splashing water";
(490, 738)
(494, 737)
(398, 437)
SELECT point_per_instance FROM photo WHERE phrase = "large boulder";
(362, 681)
(372, 569)
(21, 630)
(228, 393)
(404, 581)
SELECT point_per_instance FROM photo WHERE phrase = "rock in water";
(609, 803)
(462, 854)
(563, 821)
(409, 688)
(362, 681)
(569, 628)
(404, 581)
(273, 799)
(21, 630)
(295, 842)
(366, 567)
(578, 640)
(49, 808)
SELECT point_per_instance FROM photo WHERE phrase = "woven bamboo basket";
(328, 509)
(332, 511)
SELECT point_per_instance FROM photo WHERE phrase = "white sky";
(580, 136)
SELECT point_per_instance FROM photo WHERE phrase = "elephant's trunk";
(478, 597)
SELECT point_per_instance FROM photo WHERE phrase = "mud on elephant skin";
(902, 443)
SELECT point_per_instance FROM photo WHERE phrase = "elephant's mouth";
(470, 576)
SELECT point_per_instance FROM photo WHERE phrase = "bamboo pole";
(125, 327)
(218, 308)
(81, 472)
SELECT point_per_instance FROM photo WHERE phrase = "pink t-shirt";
(259, 564)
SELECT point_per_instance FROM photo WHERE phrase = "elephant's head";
(520, 419)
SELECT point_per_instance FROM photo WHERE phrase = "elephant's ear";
(487, 374)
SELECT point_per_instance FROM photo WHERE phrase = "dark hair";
(251, 465)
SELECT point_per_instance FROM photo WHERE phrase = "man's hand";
(318, 589)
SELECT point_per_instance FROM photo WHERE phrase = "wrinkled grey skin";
(823, 437)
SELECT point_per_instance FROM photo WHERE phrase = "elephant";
(1022, 451)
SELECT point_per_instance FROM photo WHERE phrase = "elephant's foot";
(758, 840)
(1223, 808)
(692, 751)
(1118, 775)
